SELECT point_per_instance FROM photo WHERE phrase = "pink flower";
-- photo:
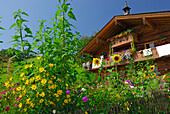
(7, 108)
(128, 81)
(85, 99)
(15, 104)
(147, 92)
(67, 92)
(0, 98)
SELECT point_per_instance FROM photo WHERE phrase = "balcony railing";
(156, 52)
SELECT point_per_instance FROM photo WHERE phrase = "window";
(149, 45)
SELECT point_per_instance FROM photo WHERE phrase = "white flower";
(131, 86)
(54, 111)
(83, 89)
(126, 82)
(100, 85)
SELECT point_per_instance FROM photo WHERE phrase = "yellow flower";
(42, 94)
(53, 86)
(128, 108)
(33, 87)
(20, 96)
(51, 102)
(41, 100)
(22, 74)
(31, 65)
(117, 96)
(20, 105)
(26, 66)
(38, 78)
(7, 84)
(152, 68)
(32, 79)
(13, 92)
(39, 57)
(41, 69)
(146, 75)
(46, 103)
(54, 77)
(68, 96)
(86, 112)
(96, 61)
(50, 82)
(69, 100)
(26, 82)
(12, 85)
(32, 104)
(43, 81)
(65, 101)
(23, 79)
(25, 109)
(58, 99)
(116, 58)
(37, 94)
(51, 65)
(67, 85)
(165, 76)
(59, 80)
(47, 74)
(10, 79)
(18, 88)
(55, 94)
(60, 92)
(24, 92)
(154, 74)
(28, 101)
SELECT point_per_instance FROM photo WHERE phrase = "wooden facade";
(151, 31)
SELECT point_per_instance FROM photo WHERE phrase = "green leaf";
(14, 13)
(28, 30)
(59, 1)
(13, 25)
(25, 13)
(28, 35)
(18, 22)
(58, 12)
(71, 15)
(15, 17)
(64, 7)
(2, 28)
(1, 41)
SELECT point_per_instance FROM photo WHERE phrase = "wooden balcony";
(138, 56)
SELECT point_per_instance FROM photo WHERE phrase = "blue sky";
(91, 14)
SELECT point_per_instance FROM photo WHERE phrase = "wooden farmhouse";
(146, 34)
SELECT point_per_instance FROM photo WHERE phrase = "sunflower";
(154, 74)
(146, 75)
(96, 61)
(152, 68)
(116, 58)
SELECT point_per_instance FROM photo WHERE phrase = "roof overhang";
(121, 23)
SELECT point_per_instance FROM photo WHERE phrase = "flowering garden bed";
(53, 83)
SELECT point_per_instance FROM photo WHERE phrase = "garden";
(53, 80)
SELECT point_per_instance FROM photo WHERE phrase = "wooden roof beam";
(120, 24)
(148, 22)
(102, 41)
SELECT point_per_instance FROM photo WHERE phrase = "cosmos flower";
(67, 92)
(85, 99)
